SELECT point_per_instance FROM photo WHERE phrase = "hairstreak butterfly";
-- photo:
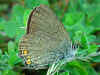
(45, 41)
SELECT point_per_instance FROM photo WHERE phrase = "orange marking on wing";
(25, 52)
(28, 61)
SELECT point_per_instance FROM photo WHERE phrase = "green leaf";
(26, 16)
(13, 58)
(70, 19)
(18, 18)
(92, 48)
(64, 73)
(80, 68)
(11, 45)
(34, 3)
(9, 72)
(77, 69)
(2, 23)
(89, 68)
(96, 59)
(10, 29)
(96, 20)
(13, 55)
(91, 10)
(0, 52)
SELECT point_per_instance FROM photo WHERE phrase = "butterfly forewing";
(43, 19)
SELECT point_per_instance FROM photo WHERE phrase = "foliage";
(9, 60)
(80, 18)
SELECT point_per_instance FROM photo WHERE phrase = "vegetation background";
(81, 19)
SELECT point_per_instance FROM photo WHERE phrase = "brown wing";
(39, 48)
(43, 19)
(44, 34)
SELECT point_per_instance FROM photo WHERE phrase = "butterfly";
(45, 41)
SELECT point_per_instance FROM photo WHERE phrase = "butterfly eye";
(28, 62)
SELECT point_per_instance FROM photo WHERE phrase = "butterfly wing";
(36, 50)
(44, 35)
(43, 19)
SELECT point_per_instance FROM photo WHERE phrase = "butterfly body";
(43, 42)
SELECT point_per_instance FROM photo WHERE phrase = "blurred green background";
(81, 19)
